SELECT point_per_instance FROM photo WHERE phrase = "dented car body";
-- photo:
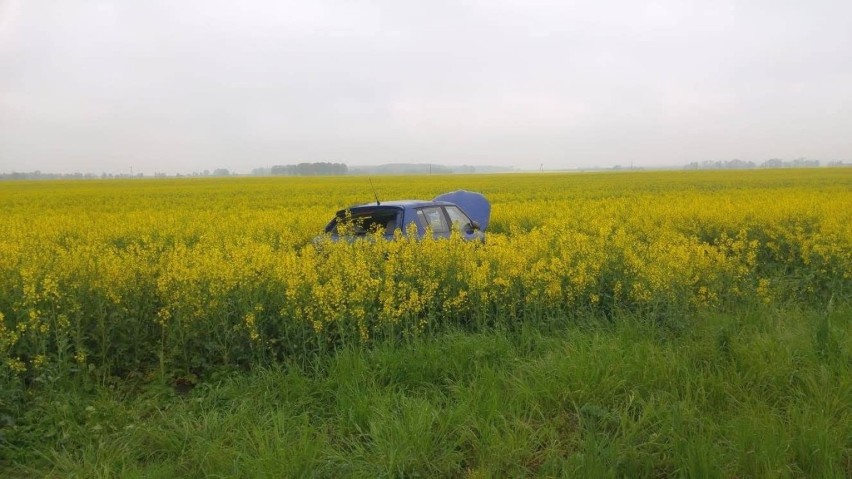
(464, 212)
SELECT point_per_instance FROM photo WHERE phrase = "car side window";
(459, 220)
(421, 220)
(434, 218)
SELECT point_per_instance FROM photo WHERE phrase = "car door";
(460, 222)
(435, 218)
(474, 205)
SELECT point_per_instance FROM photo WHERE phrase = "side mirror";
(471, 227)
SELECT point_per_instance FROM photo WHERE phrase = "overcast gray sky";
(186, 85)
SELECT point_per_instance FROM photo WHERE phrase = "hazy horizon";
(177, 87)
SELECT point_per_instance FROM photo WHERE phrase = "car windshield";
(361, 222)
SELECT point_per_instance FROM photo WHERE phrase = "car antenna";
(374, 191)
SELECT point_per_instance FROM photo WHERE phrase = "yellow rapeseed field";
(179, 275)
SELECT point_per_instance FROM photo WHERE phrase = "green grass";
(752, 393)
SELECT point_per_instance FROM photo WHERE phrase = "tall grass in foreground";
(758, 392)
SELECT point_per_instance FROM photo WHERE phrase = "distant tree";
(279, 170)
(310, 169)
(804, 163)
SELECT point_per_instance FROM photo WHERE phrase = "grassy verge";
(753, 393)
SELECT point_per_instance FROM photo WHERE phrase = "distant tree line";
(216, 172)
(304, 169)
(38, 175)
(737, 164)
(403, 169)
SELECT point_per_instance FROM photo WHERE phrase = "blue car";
(462, 211)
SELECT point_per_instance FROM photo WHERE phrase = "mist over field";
(176, 87)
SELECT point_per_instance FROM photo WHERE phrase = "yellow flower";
(39, 361)
(16, 365)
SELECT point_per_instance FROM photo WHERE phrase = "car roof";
(401, 204)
